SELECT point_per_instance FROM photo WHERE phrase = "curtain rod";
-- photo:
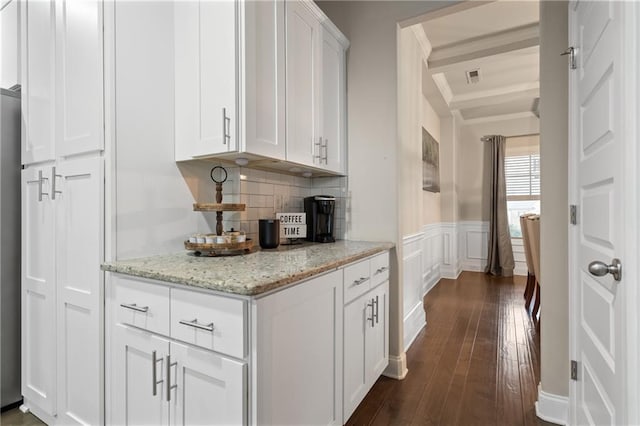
(486, 138)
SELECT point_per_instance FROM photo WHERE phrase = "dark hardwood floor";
(476, 363)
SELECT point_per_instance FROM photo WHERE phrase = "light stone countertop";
(251, 274)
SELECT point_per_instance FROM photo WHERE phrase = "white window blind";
(522, 174)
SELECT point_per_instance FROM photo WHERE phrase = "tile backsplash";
(268, 193)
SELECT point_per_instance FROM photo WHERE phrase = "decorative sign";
(292, 225)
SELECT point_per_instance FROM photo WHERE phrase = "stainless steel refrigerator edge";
(10, 213)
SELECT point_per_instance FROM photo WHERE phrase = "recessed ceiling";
(501, 40)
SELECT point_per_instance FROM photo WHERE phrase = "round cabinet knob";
(600, 269)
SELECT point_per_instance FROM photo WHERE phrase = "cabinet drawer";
(141, 304)
(356, 280)
(209, 321)
(379, 269)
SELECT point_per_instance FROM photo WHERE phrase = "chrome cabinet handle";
(168, 379)
(318, 150)
(375, 302)
(372, 317)
(381, 270)
(361, 280)
(40, 180)
(226, 125)
(154, 374)
(53, 183)
(194, 323)
(135, 307)
(600, 269)
(326, 151)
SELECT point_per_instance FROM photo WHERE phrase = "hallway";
(476, 363)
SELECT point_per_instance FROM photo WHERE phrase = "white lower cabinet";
(159, 381)
(179, 356)
(366, 342)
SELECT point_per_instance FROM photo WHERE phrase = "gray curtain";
(500, 261)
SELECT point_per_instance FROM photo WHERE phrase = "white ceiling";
(501, 40)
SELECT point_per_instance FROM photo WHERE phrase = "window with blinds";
(522, 174)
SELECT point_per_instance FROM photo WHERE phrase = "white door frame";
(631, 270)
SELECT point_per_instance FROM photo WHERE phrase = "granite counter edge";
(258, 290)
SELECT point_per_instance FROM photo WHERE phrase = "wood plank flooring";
(476, 362)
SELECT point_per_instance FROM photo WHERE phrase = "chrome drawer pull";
(381, 270)
(372, 317)
(135, 307)
(154, 373)
(168, 382)
(194, 323)
(375, 302)
(361, 280)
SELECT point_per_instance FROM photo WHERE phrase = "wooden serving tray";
(222, 249)
(218, 207)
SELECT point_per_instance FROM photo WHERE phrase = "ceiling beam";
(495, 96)
(494, 118)
(451, 56)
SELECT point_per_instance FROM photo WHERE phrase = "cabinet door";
(38, 291)
(377, 339)
(298, 335)
(78, 199)
(79, 77)
(206, 78)
(332, 151)
(303, 44)
(264, 78)
(355, 375)
(132, 384)
(210, 389)
(38, 80)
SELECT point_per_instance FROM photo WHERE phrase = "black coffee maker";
(320, 214)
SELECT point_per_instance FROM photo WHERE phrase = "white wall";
(554, 334)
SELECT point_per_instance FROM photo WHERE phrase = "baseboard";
(552, 408)
(450, 272)
(397, 368)
(431, 280)
(27, 407)
(11, 406)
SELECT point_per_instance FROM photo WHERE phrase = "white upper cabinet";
(303, 57)
(206, 47)
(333, 146)
(79, 77)
(316, 90)
(38, 80)
(10, 44)
(229, 79)
(250, 77)
(62, 79)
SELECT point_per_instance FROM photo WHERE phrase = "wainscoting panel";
(474, 237)
(412, 266)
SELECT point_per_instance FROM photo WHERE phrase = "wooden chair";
(530, 287)
(533, 231)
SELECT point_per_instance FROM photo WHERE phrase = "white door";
(599, 144)
(210, 389)
(377, 340)
(206, 77)
(355, 372)
(78, 198)
(136, 398)
(264, 78)
(38, 290)
(332, 153)
(303, 57)
(79, 77)
(38, 81)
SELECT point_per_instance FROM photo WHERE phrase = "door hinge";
(574, 370)
(573, 214)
